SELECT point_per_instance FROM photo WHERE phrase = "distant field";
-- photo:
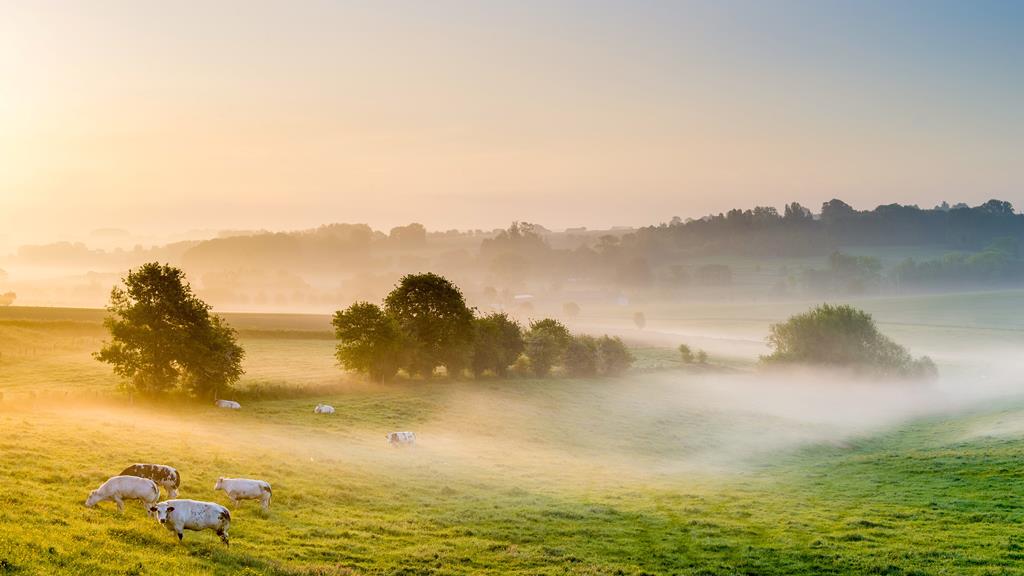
(669, 470)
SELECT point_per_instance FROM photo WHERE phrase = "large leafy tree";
(163, 336)
(370, 340)
(842, 336)
(432, 313)
(546, 343)
(497, 343)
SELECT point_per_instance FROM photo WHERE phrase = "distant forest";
(762, 250)
(763, 231)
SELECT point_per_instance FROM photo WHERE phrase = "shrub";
(613, 356)
(581, 356)
(546, 343)
(497, 342)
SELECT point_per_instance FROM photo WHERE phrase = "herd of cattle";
(143, 482)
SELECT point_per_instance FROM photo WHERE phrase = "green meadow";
(671, 469)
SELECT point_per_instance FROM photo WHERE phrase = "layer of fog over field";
(662, 418)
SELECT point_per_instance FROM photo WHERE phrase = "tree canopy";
(163, 337)
(433, 313)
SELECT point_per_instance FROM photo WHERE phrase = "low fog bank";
(673, 425)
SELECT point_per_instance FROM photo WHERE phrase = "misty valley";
(532, 288)
(612, 406)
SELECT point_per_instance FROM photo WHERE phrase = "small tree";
(685, 354)
(571, 309)
(162, 335)
(432, 313)
(702, 357)
(581, 356)
(7, 298)
(640, 320)
(613, 356)
(546, 342)
(497, 343)
(370, 341)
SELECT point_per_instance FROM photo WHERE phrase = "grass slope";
(644, 475)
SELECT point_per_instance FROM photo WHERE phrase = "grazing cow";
(323, 409)
(121, 488)
(181, 515)
(229, 404)
(398, 439)
(245, 489)
(163, 476)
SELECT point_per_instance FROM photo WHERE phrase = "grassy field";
(669, 470)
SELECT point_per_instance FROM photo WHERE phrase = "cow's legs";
(223, 537)
(120, 503)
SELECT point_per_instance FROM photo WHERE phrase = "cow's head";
(220, 484)
(93, 499)
(161, 511)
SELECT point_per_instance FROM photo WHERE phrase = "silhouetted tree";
(433, 315)
(162, 335)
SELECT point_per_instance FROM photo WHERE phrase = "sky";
(164, 117)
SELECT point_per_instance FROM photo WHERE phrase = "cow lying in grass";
(180, 515)
(229, 404)
(399, 439)
(245, 489)
(121, 488)
(164, 476)
(323, 409)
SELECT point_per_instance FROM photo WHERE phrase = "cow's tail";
(225, 515)
(266, 488)
(177, 479)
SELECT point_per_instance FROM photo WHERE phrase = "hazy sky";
(167, 116)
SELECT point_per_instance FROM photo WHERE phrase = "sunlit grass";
(641, 475)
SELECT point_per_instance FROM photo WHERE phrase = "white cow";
(180, 515)
(121, 488)
(245, 489)
(398, 439)
(323, 409)
(229, 404)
